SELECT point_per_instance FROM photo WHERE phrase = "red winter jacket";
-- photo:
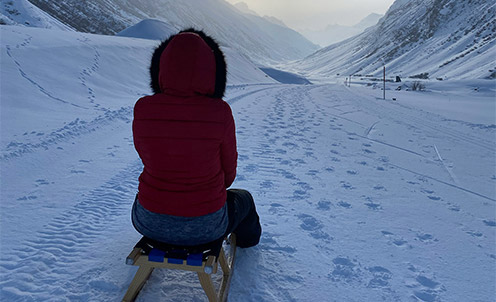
(186, 139)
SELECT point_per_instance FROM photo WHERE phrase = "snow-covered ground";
(361, 199)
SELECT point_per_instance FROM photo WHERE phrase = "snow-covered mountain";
(245, 9)
(336, 33)
(257, 37)
(436, 38)
(22, 12)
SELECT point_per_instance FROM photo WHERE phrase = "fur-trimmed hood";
(189, 62)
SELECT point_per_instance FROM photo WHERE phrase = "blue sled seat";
(203, 259)
(193, 255)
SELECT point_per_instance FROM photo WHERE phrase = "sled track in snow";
(51, 264)
(70, 131)
(400, 116)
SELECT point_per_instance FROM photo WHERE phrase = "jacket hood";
(189, 63)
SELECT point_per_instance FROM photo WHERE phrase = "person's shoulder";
(222, 104)
(144, 105)
(147, 99)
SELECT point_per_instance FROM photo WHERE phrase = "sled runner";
(202, 259)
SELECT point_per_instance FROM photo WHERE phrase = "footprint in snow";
(299, 161)
(454, 208)
(266, 184)
(30, 197)
(324, 205)
(347, 185)
(475, 234)
(372, 205)
(299, 195)
(427, 289)
(268, 241)
(287, 174)
(251, 168)
(425, 237)
(433, 197)
(386, 233)
(310, 154)
(243, 157)
(395, 240)
(313, 226)
(379, 188)
(368, 151)
(276, 208)
(344, 204)
(312, 172)
(345, 270)
(380, 277)
(399, 242)
(40, 182)
(430, 194)
(491, 223)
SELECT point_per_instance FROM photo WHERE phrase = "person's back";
(185, 136)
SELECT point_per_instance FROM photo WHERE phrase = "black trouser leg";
(243, 218)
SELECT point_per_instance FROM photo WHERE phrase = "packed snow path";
(360, 200)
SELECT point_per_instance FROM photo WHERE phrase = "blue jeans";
(238, 216)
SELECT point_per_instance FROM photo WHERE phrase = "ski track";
(303, 197)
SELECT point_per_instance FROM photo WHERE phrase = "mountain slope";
(337, 33)
(22, 12)
(444, 38)
(259, 40)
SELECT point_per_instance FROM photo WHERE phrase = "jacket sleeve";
(228, 151)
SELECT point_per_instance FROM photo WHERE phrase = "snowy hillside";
(103, 69)
(149, 29)
(336, 33)
(360, 199)
(447, 39)
(22, 12)
(258, 38)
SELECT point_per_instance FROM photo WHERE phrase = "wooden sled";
(203, 259)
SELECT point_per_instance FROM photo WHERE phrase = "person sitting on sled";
(185, 136)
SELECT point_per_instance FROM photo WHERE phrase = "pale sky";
(317, 14)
